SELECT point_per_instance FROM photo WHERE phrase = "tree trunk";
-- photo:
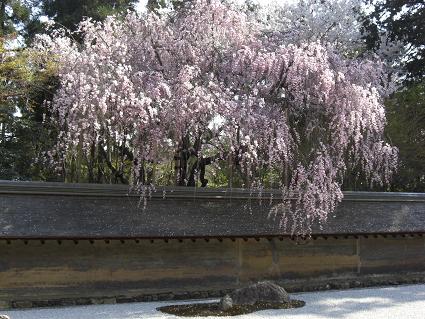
(2, 19)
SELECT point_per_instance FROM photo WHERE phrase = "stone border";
(309, 285)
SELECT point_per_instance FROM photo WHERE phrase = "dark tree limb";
(116, 173)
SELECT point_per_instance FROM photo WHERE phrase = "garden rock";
(260, 292)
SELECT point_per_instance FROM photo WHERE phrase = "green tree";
(14, 14)
(403, 20)
(15, 78)
(406, 129)
(69, 13)
(23, 88)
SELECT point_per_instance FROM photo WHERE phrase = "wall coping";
(116, 190)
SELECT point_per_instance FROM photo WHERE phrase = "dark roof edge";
(328, 235)
(100, 190)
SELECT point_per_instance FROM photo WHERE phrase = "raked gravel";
(400, 302)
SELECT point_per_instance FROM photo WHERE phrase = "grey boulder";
(4, 317)
(264, 291)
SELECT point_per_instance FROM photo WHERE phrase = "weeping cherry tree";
(207, 83)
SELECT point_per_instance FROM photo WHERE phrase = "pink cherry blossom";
(208, 79)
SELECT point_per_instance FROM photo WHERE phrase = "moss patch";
(213, 309)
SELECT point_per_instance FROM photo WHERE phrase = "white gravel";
(401, 302)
